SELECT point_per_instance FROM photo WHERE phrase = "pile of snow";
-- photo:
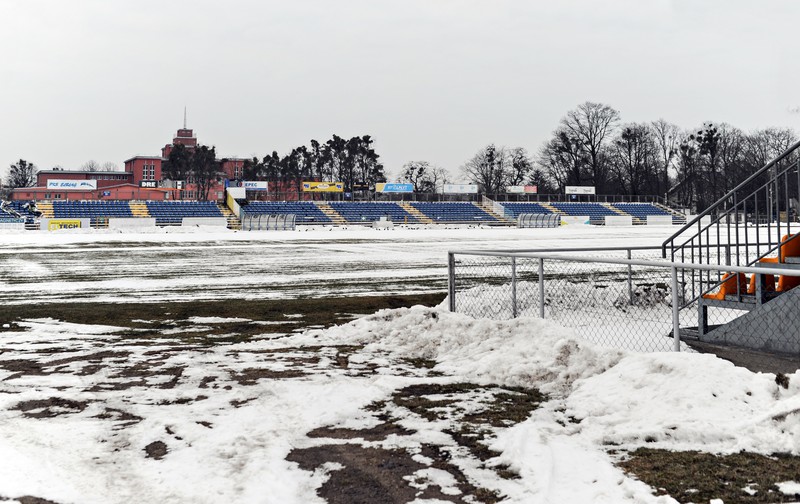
(662, 399)
(521, 352)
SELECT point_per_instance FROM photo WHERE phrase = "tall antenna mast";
(184, 117)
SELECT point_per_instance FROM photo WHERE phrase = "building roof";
(81, 172)
(145, 157)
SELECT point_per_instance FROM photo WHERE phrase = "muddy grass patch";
(49, 408)
(373, 475)
(692, 476)
(151, 318)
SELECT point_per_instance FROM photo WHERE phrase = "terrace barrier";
(627, 297)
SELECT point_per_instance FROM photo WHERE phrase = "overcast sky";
(430, 80)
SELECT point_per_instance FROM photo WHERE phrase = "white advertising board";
(576, 189)
(204, 221)
(619, 220)
(460, 189)
(80, 185)
(659, 220)
(131, 222)
(255, 185)
(569, 220)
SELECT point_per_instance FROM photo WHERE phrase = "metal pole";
(451, 281)
(513, 287)
(541, 287)
(676, 330)
(630, 280)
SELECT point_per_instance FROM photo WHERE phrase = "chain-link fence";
(630, 298)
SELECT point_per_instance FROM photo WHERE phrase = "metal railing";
(628, 297)
(753, 218)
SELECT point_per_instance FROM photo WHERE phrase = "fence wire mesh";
(631, 306)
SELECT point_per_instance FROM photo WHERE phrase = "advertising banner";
(394, 188)
(519, 189)
(255, 185)
(323, 187)
(150, 184)
(579, 189)
(54, 224)
(80, 185)
(460, 189)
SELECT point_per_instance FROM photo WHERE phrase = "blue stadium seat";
(453, 212)
(361, 212)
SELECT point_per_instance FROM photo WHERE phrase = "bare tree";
(419, 174)
(731, 156)
(91, 166)
(486, 169)
(667, 139)
(563, 159)
(592, 124)
(21, 174)
(635, 159)
(109, 166)
(520, 166)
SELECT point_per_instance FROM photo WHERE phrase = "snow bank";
(672, 400)
(521, 352)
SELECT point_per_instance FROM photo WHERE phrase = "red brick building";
(141, 179)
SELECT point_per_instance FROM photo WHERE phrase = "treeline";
(591, 146)
(353, 162)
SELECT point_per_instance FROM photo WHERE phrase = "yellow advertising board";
(63, 224)
(323, 187)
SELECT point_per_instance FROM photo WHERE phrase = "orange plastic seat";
(769, 283)
(788, 249)
(729, 285)
(786, 283)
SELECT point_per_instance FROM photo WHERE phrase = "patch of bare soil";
(148, 319)
(28, 499)
(470, 414)
(377, 433)
(251, 376)
(156, 450)
(692, 476)
(49, 408)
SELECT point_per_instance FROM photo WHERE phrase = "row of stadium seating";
(595, 211)
(172, 212)
(370, 212)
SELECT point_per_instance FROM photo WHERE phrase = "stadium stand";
(515, 208)
(94, 210)
(172, 212)
(454, 212)
(595, 211)
(306, 212)
(642, 210)
(21, 207)
(368, 212)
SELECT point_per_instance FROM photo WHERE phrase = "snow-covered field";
(179, 264)
(97, 414)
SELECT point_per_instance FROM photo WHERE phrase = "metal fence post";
(630, 280)
(541, 287)
(676, 330)
(513, 287)
(451, 280)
